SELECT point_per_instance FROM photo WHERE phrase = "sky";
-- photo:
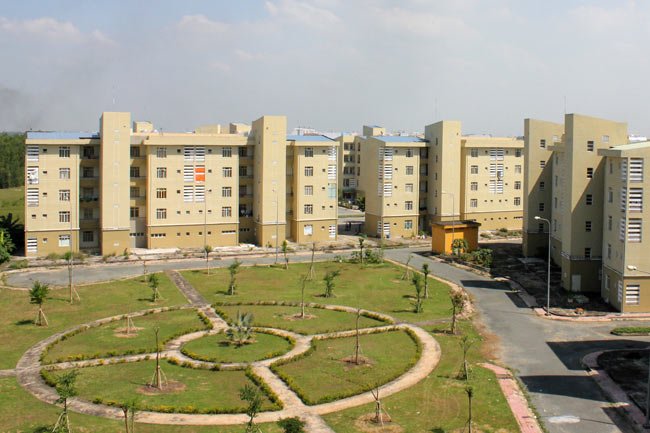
(333, 65)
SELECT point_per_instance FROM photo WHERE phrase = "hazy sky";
(327, 64)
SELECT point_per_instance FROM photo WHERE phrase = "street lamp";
(548, 278)
(646, 424)
(453, 224)
(277, 221)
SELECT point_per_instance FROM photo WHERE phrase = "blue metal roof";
(58, 135)
(308, 138)
(398, 139)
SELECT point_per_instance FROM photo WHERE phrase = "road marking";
(564, 419)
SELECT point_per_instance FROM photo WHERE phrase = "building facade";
(130, 186)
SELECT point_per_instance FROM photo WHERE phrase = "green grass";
(283, 317)
(215, 348)
(373, 287)
(439, 403)
(12, 200)
(323, 376)
(20, 412)
(97, 301)
(631, 330)
(109, 339)
(205, 391)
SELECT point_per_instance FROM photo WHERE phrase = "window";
(409, 170)
(590, 146)
(473, 169)
(309, 171)
(243, 171)
(473, 203)
(135, 152)
(331, 190)
(134, 171)
(634, 232)
(473, 186)
(386, 172)
(621, 230)
(542, 184)
(496, 186)
(64, 216)
(309, 209)
(517, 169)
(609, 223)
(635, 199)
(609, 251)
(188, 193)
(590, 173)
(540, 227)
(64, 195)
(134, 191)
(32, 153)
(587, 226)
(385, 189)
(227, 171)
(64, 152)
(161, 192)
(226, 191)
(309, 152)
(540, 207)
(332, 232)
(408, 224)
(517, 201)
(64, 173)
(518, 153)
(161, 152)
(226, 152)
(199, 194)
(542, 164)
(610, 195)
(135, 212)
(161, 213)
(473, 153)
(88, 172)
(587, 253)
(331, 172)
(632, 294)
(64, 240)
(517, 184)
(226, 211)
(623, 199)
(88, 213)
(161, 172)
(554, 202)
(409, 153)
(32, 245)
(542, 143)
(589, 199)
(408, 205)
(619, 287)
(636, 169)
(308, 229)
(88, 237)
(408, 187)
(32, 175)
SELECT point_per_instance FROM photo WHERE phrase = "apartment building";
(350, 160)
(132, 186)
(577, 195)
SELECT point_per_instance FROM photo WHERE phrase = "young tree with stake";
(417, 285)
(65, 387)
(285, 251)
(329, 283)
(37, 295)
(425, 272)
(233, 269)
(252, 396)
(207, 249)
(457, 307)
(154, 283)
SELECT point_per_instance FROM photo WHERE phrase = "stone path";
(192, 295)
(7, 373)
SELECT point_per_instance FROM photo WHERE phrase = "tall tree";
(329, 283)
(37, 295)
(233, 269)
(12, 160)
(425, 272)
(65, 387)
(6, 245)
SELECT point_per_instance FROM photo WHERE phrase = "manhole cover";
(563, 419)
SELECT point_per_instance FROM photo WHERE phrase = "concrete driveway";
(544, 354)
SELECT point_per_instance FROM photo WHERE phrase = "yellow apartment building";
(131, 186)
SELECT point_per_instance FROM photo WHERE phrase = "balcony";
(88, 199)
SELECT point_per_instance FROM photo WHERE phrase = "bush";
(18, 264)
(292, 425)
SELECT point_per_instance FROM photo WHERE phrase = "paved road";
(544, 354)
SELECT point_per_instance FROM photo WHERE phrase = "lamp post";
(453, 213)
(277, 222)
(646, 423)
(548, 278)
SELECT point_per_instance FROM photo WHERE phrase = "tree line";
(12, 159)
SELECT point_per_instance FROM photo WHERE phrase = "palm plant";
(240, 331)
(37, 295)
(329, 283)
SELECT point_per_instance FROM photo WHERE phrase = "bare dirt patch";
(170, 387)
(122, 332)
(366, 423)
(351, 362)
(298, 316)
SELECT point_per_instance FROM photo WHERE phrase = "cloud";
(48, 27)
(302, 12)
(201, 24)
(421, 23)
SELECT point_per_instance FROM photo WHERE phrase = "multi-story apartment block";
(389, 181)
(350, 160)
(574, 206)
(128, 187)
(471, 178)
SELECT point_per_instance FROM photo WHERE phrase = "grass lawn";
(204, 391)
(12, 200)
(18, 333)
(439, 403)
(281, 316)
(21, 412)
(322, 375)
(110, 340)
(216, 348)
(373, 287)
